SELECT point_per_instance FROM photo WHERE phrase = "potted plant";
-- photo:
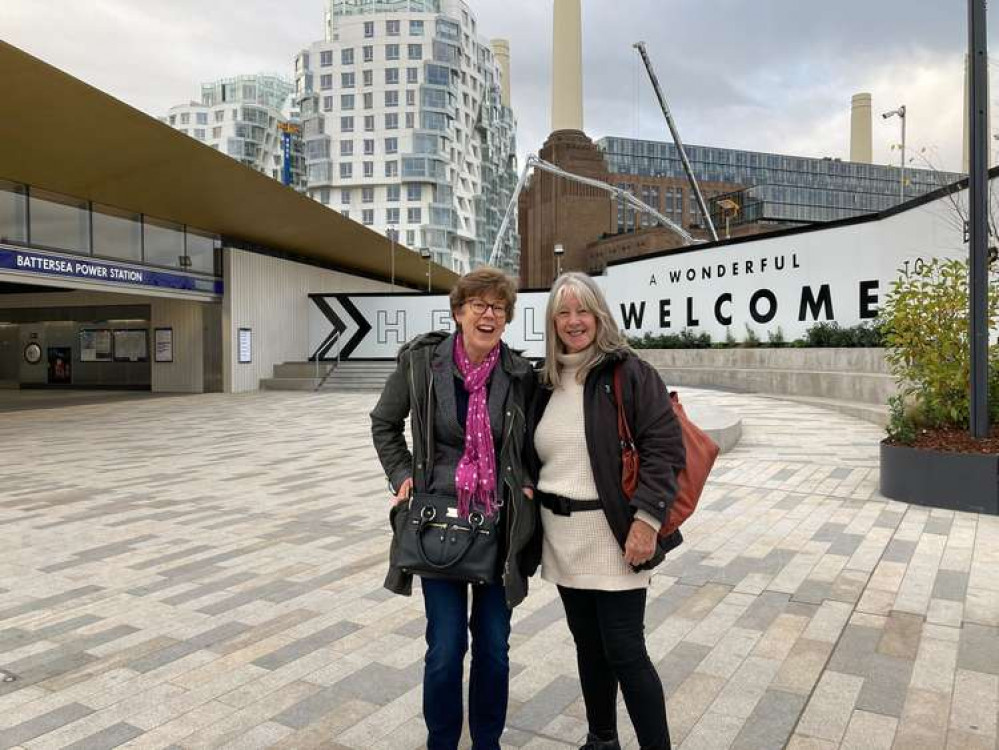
(929, 457)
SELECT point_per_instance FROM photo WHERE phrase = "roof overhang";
(61, 134)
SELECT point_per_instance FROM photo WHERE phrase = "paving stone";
(547, 704)
(979, 649)
(886, 685)
(303, 646)
(951, 585)
(113, 736)
(47, 722)
(771, 723)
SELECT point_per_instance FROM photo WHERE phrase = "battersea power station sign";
(790, 282)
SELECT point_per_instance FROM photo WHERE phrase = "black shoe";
(593, 742)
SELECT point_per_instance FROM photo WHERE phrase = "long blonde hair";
(608, 338)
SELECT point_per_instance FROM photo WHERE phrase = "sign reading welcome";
(836, 274)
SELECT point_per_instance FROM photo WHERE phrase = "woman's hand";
(529, 493)
(404, 490)
(640, 544)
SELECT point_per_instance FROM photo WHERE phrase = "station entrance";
(61, 345)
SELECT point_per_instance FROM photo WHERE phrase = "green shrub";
(924, 321)
(832, 335)
(776, 338)
(686, 339)
(751, 340)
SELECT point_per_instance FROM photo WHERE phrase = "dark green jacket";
(410, 392)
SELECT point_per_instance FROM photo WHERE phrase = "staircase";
(348, 376)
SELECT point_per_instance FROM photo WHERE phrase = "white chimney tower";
(567, 66)
(860, 129)
(501, 51)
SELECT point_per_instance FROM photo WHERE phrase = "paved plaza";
(205, 571)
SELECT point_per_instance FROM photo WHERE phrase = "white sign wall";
(791, 282)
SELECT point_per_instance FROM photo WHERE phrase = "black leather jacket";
(410, 391)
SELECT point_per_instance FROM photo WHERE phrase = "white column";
(501, 51)
(860, 129)
(567, 66)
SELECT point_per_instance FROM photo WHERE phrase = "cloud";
(769, 75)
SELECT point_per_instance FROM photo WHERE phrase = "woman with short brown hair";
(467, 394)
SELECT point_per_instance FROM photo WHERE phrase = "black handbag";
(433, 542)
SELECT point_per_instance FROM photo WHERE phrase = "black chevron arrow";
(363, 326)
(338, 328)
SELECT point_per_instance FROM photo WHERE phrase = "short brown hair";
(485, 280)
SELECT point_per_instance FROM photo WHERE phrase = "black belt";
(566, 506)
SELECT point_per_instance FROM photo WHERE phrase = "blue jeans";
(448, 624)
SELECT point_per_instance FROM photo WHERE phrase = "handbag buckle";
(428, 513)
(475, 519)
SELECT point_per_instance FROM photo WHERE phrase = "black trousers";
(609, 630)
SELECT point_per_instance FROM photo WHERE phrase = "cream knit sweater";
(579, 551)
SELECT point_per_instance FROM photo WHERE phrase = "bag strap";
(474, 532)
(623, 431)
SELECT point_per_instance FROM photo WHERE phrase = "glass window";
(391, 145)
(392, 193)
(347, 80)
(185, 118)
(392, 28)
(345, 196)
(369, 169)
(117, 233)
(410, 120)
(410, 237)
(416, 28)
(391, 169)
(346, 170)
(326, 58)
(368, 216)
(392, 121)
(219, 115)
(414, 215)
(369, 78)
(345, 213)
(346, 101)
(13, 213)
(346, 148)
(59, 221)
(392, 98)
(369, 53)
(369, 100)
(367, 195)
(163, 242)
(326, 81)
(410, 97)
(414, 192)
(324, 196)
(327, 104)
(369, 146)
(392, 216)
(415, 51)
(201, 251)
(201, 118)
(391, 51)
(391, 76)
(369, 29)
(412, 75)
(369, 123)
(347, 56)
(347, 124)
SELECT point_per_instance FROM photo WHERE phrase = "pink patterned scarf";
(475, 477)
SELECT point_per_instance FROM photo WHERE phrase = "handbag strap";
(623, 431)
(474, 532)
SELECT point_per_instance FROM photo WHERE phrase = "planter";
(955, 481)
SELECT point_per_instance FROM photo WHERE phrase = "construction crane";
(533, 162)
(640, 46)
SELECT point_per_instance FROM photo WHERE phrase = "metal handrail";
(332, 367)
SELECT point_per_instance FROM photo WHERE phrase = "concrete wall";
(847, 375)
(184, 375)
(270, 296)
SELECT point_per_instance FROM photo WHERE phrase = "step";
(289, 384)
(858, 387)
(868, 412)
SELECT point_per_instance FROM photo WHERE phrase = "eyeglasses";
(479, 307)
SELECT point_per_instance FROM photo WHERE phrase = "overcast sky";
(769, 75)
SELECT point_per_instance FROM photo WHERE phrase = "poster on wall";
(163, 345)
(245, 346)
(60, 365)
(131, 345)
(95, 345)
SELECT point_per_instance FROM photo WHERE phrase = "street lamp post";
(901, 181)
(559, 252)
(978, 204)
(426, 254)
